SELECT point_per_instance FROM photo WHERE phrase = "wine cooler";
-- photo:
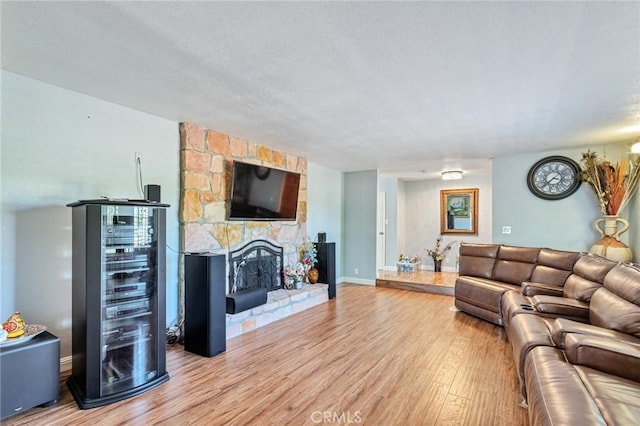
(118, 302)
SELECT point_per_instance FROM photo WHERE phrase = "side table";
(29, 374)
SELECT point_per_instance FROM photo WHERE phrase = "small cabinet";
(30, 374)
(119, 268)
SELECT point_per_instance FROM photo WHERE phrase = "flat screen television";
(263, 193)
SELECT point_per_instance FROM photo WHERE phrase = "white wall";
(422, 215)
(324, 207)
(59, 146)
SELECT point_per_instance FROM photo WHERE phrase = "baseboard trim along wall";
(65, 363)
(352, 280)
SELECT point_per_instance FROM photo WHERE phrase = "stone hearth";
(280, 304)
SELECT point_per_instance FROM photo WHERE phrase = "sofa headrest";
(554, 266)
(588, 275)
(558, 259)
(479, 250)
(593, 267)
(477, 260)
(519, 254)
(609, 310)
(624, 281)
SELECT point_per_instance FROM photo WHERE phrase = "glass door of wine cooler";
(129, 298)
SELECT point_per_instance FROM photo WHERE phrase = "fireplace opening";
(257, 264)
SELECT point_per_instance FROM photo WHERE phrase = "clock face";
(554, 178)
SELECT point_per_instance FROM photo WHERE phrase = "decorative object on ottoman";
(614, 185)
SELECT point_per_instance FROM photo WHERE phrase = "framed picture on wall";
(459, 211)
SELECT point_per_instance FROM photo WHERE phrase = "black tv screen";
(263, 193)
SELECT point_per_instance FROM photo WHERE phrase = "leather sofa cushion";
(526, 332)
(611, 356)
(608, 310)
(478, 260)
(554, 266)
(588, 275)
(556, 393)
(616, 397)
(624, 280)
(512, 272)
(515, 264)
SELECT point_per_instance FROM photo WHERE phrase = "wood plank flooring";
(373, 356)
(420, 280)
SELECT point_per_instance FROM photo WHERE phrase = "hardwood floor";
(372, 356)
(420, 280)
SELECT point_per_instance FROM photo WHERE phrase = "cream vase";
(610, 245)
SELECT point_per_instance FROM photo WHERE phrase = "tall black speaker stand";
(326, 266)
(205, 328)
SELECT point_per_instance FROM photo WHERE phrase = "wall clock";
(554, 178)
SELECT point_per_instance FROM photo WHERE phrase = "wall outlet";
(356, 271)
(506, 229)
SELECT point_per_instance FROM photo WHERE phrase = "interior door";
(381, 231)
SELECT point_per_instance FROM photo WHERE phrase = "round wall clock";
(554, 178)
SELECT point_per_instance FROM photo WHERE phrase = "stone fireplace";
(206, 158)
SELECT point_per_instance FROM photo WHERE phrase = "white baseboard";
(363, 281)
(423, 268)
(65, 363)
(444, 268)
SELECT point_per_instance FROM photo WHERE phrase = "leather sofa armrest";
(561, 327)
(560, 306)
(611, 356)
(532, 289)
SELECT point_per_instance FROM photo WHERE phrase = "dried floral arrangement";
(613, 184)
(437, 252)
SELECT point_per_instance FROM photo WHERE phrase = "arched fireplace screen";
(257, 264)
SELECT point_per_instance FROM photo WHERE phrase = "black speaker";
(152, 193)
(326, 266)
(205, 322)
(322, 237)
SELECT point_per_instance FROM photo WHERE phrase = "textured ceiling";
(352, 86)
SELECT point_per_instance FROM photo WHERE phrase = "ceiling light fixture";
(452, 175)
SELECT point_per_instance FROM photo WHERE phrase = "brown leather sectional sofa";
(573, 321)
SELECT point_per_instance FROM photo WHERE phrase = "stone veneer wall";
(206, 158)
